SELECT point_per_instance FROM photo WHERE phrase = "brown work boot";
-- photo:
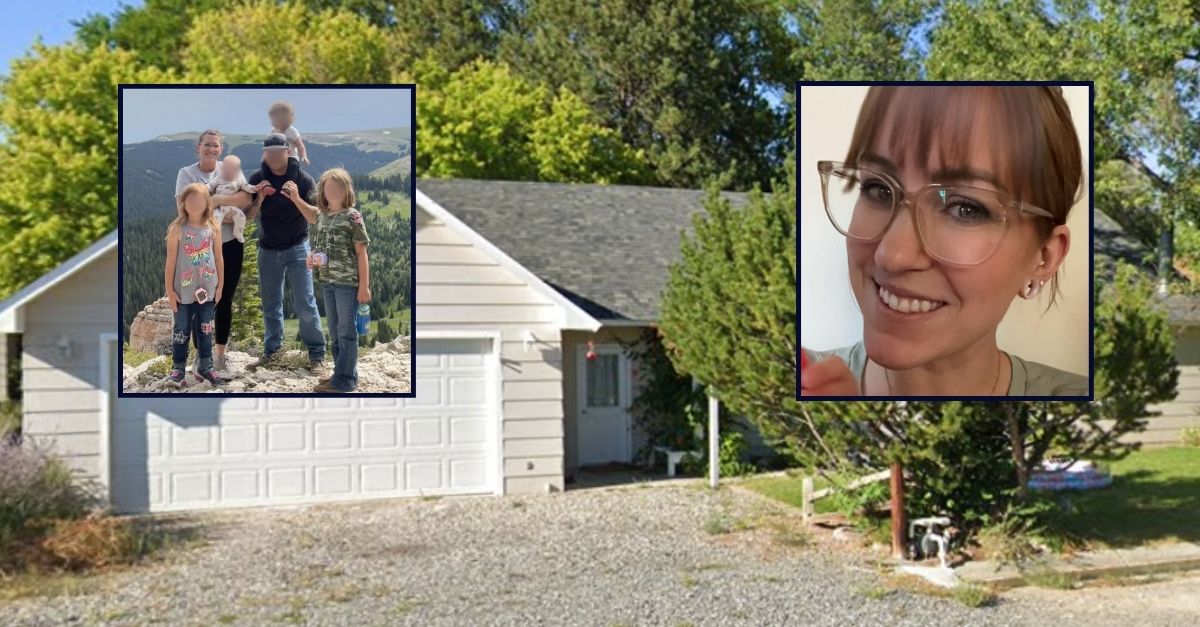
(266, 361)
(319, 369)
(326, 386)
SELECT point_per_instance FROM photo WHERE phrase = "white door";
(604, 433)
(198, 453)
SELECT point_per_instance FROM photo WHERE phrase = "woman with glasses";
(953, 201)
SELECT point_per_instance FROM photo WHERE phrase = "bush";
(36, 489)
(1190, 436)
(10, 420)
(94, 541)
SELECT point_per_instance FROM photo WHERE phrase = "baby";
(282, 116)
(230, 180)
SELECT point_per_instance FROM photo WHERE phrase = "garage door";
(197, 453)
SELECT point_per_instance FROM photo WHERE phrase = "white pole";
(714, 441)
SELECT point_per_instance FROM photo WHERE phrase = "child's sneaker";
(211, 376)
(175, 378)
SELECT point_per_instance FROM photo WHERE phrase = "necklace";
(999, 368)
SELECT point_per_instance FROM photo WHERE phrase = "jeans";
(273, 266)
(193, 320)
(341, 305)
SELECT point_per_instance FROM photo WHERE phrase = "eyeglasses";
(957, 224)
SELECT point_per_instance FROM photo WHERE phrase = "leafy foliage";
(682, 80)
(58, 111)
(276, 43)
(35, 488)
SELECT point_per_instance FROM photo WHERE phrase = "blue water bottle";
(363, 320)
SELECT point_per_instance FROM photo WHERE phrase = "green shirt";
(336, 236)
(1029, 378)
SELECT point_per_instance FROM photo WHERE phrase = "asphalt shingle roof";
(605, 247)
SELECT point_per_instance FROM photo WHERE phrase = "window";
(603, 384)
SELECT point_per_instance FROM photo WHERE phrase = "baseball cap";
(275, 141)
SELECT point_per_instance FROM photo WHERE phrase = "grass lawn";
(291, 326)
(398, 205)
(1155, 497)
(788, 488)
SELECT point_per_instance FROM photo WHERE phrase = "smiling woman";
(952, 202)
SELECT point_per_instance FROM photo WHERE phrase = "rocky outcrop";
(150, 331)
(384, 368)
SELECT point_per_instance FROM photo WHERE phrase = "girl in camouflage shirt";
(344, 273)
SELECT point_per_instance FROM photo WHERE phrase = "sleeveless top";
(1029, 378)
(195, 265)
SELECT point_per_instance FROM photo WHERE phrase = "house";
(1183, 314)
(512, 282)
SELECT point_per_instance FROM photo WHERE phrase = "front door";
(604, 423)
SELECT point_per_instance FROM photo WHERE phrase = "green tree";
(686, 81)
(279, 43)
(475, 122)
(729, 309)
(58, 111)
(1143, 58)
(247, 327)
(856, 39)
(570, 144)
(384, 332)
(153, 31)
(452, 33)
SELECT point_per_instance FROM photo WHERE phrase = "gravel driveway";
(667, 554)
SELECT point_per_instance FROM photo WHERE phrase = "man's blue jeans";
(341, 309)
(273, 267)
(193, 320)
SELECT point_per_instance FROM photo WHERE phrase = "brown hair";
(282, 107)
(341, 176)
(210, 131)
(1037, 154)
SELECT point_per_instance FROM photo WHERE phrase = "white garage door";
(196, 453)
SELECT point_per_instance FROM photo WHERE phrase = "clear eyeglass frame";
(901, 197)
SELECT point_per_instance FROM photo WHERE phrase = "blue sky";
(25, 20)
(148, 113)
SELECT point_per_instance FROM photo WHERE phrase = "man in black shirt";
(282, 251)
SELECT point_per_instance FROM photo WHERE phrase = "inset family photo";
(266, 239)
(944, 239)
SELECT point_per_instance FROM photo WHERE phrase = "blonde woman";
(193, 276)
(342, 267)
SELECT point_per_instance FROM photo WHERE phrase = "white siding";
(459, 288)
(61, 397)
(1177, 414)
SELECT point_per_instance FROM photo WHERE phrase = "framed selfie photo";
(266, 240)
(944, 240)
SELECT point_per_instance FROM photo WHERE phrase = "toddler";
(282, 115)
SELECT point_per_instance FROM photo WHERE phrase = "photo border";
(1091, 85)
(412, 212)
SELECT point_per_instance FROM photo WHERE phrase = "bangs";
(1029, 139)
